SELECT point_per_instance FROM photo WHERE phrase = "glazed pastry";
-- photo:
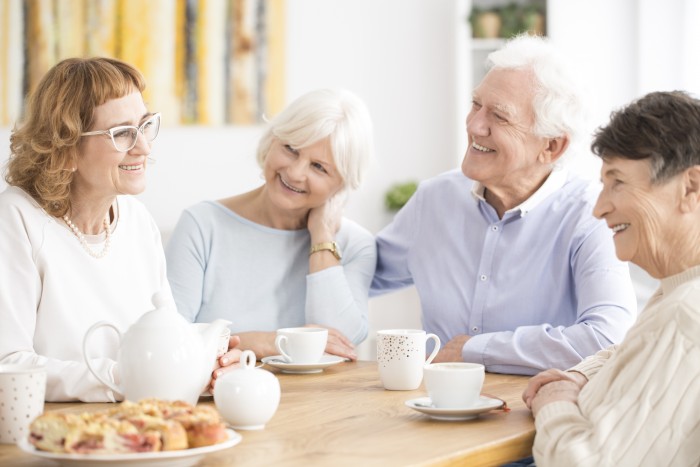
(149, 425)
(89, 434)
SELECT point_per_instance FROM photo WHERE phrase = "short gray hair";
(337, 114)
(559, 100)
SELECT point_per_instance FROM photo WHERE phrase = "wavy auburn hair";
(44, 148)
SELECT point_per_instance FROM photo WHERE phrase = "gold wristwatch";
(330, 246)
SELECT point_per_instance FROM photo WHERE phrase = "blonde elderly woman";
(76, 248)
(637, 403)
(281, 255)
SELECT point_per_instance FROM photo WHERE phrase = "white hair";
(560, 97)
(336, 114)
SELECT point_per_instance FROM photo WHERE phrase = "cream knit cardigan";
(642, 403)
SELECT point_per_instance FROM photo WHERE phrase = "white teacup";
(301, 345)
(454, 385)
(22, 392)
(222, 340)
(401, 357)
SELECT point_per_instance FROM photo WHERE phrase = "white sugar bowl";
(247, 397)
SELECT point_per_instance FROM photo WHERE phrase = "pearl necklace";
(83, 242)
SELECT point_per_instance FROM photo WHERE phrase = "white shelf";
(487, 44)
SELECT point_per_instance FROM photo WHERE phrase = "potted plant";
(399, 194)
(486, 24)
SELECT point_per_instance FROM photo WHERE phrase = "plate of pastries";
(150, 432)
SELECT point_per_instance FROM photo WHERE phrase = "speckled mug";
(401, 357)
(22, 391)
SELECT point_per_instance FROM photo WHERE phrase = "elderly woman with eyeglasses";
(75, 248)
(637, 403)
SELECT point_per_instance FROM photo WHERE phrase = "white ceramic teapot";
(247, 397)
(162, 355)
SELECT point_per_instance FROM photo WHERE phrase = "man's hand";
(452, 351)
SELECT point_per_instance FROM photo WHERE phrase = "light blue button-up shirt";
(540, 288)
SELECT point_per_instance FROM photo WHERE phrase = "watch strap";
(330, 246)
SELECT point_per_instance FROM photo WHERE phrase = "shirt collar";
(555, 180)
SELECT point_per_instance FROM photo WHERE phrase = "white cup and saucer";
(301, 351)
(454, 392)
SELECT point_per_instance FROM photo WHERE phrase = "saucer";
(425, 405)
(277, 361)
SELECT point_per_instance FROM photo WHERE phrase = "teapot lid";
(161, 299)
(165, 313)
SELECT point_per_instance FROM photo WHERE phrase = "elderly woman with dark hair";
(75, 247)
(637, 403)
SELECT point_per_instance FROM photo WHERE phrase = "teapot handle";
(92, 328)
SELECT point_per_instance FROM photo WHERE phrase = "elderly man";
(512, 269)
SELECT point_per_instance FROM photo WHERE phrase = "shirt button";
(494, 228)
(475, 329)
(483, 277)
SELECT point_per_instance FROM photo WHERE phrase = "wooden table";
(343, 416)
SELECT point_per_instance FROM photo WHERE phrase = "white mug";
(301, 345)
(22, 392)
(222, 339)
(454, 385)
(401, 357)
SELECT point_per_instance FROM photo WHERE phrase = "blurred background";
(215, 67)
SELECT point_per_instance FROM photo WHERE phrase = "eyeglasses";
(124, 137)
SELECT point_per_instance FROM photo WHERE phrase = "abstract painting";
(206, 62)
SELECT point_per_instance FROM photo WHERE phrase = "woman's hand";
(337, 343)
(324, 221)
(562, 390)
(226, 362)
(550, 376)
(262, 343)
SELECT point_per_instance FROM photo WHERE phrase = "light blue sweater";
(221, 265)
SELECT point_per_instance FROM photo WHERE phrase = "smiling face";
(102, 171)
(503, 152)
(298, 180)
(642, 215)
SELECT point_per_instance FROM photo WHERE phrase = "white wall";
(399, 56)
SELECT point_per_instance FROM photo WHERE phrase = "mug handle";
(92, 328)
(436, 349)
(278, 343)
